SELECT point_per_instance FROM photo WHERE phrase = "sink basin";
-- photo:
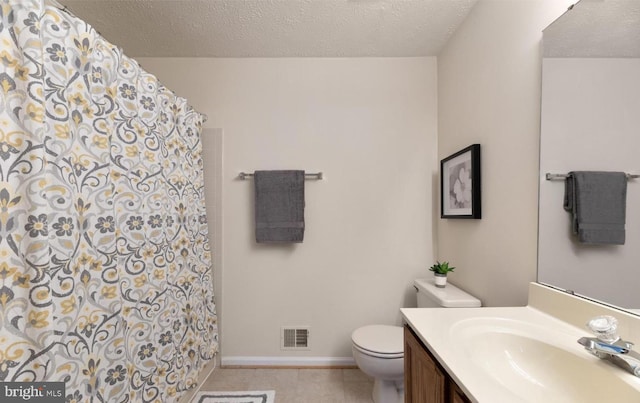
(519, 357)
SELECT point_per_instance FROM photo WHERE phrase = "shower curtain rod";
(318, 176)
(553, 177)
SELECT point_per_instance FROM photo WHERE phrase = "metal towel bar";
(555, 177)
(318, 176)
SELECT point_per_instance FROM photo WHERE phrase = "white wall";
(489, 93)
(370, 126)
(590, 120)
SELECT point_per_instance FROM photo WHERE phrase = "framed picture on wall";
(460, 184)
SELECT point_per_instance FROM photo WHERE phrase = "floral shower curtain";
(105, 266)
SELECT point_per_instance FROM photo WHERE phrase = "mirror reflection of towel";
(597, 202)
(279, 206)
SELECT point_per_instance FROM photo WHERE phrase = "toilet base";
(385, 391)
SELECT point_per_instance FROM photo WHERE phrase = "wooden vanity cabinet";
(456, 395)
(425, 381)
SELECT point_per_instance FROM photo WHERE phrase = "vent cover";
(294, 338)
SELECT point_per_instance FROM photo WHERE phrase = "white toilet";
(379, 349)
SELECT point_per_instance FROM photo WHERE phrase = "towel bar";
(318, 176)
(554, 177)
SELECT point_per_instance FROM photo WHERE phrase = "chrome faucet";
(609, 346)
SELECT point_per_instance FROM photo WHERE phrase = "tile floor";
(296, 385)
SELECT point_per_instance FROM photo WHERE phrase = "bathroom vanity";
(514, 354)
(425, 381)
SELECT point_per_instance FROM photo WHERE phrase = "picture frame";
(460, 186)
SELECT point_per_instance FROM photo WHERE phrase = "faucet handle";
(605, 328)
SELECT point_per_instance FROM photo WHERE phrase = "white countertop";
(440, 330)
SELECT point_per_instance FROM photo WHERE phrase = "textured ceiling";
(596, 28)
(274, 28)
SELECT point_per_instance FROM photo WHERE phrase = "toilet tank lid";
(447, 297)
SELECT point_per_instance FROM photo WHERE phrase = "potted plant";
(440, 271)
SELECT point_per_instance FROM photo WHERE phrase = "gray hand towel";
(279, 206)
(598, 203)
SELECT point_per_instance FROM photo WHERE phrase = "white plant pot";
(440, 280)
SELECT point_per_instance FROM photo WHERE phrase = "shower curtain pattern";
(105, 266)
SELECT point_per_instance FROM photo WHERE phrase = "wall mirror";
(591, 121)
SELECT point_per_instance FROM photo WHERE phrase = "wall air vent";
(294, 338)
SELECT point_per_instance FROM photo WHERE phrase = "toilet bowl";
(379, 352)
(379, 349)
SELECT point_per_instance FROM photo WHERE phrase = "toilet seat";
(377, 354)
(379, 341)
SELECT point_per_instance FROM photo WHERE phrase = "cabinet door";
(424, 382)
(456, 394)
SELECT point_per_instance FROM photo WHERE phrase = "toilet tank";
(430, 296)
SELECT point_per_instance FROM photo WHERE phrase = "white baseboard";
(296, 362)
